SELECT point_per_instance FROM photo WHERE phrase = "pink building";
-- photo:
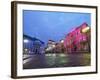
(78, 41)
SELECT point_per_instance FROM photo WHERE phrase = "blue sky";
(52, 25)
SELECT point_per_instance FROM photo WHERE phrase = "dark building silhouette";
(32, 45)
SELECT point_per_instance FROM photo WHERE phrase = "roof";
(32, 38)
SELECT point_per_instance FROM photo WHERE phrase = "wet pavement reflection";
(56, 60)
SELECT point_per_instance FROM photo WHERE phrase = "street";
(56, 60)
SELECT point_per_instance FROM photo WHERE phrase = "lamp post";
(86, 32)
(26, 41)
(62, 46)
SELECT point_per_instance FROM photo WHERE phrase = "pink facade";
(73, 41)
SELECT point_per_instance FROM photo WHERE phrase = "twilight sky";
(52, 25)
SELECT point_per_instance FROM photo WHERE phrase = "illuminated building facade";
(78, 40)
(55, 47)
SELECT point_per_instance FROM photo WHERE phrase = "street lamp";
(62, 41)
(26, 40)
(53, 46)
(26, 50)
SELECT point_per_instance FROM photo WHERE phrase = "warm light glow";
(49, 48)
(26, 50)
(62, 41)
(53, 46)
(85, 29)
(26, 41)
